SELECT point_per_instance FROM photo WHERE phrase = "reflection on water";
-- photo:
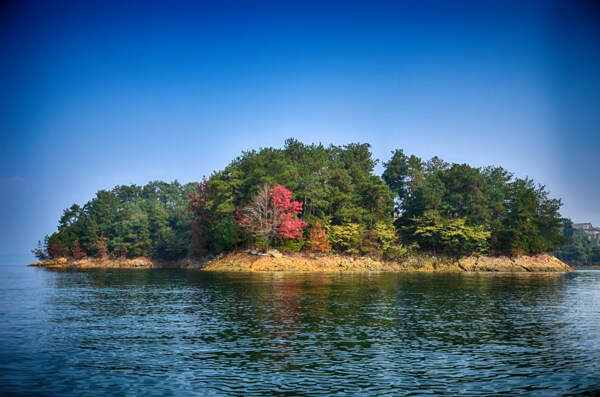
(178, 332)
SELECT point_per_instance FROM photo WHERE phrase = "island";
(316, 208)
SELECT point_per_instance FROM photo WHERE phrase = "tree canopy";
(512, 215)
(127, 221)
(324, 199)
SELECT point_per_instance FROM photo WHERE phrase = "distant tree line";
(317, 198)
(580, 249)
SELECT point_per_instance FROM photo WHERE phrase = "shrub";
(292, 246)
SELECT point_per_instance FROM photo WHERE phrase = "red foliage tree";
(317, 239)
(272, 213)
(201, 222)
(290, 226)
(56, 249)
(369, 242)
(122, 251)
(260, 217)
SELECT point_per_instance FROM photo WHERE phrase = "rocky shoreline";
(119, 263)
(274, 261)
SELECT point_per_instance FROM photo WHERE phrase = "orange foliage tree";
(317, 239)
(102, 248)
(78, 253)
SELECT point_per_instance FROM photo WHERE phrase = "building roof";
(583, 226)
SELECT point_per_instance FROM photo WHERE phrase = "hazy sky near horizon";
(106, 93)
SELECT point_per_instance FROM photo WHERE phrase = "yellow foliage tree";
(451, 236)
(346, 237)
(386, 235)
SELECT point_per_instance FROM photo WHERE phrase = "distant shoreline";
(575, 267)
(274, 261)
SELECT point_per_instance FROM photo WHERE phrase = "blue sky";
(96, 95)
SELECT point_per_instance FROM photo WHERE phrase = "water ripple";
(176, 332)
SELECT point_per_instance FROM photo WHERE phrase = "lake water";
(179, 332)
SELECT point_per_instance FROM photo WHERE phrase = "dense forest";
(317, 198)
(127, 221)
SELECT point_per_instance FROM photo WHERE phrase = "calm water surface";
(178, 332)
